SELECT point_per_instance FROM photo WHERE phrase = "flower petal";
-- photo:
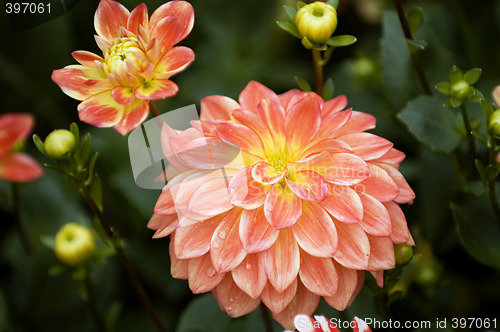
(194, 240)
(19, 167)
(273, 114)
(379, 185)
(256, 234)
(202, 276)
(73, 81)
(350, 283)
(226, 249)
(138, 17)
(334, 122)
(406, 194)
(366, 145)
(343, 203)
(353, 250)
(172, 22)
(133, 115)
(255, 122)
(250, 276)
(302, 121)
(331, 145)
(358, 121)
(87, 59)
(207, 153)
(283, 261)
(342, 168)
(217, 108)
(232, 300)
(243, 137)
(376, 220)
(156, 89)
(163, 224)
(315, 231)
(245, 192)
(109, 17)
(318, 274)
(308, 185)
(277, 301)
(174, 61)
(264, 173)
(14, 127)
(178, 267)
(123, 94)
(282, 207)
(100, 110)
(400, 232)
(333, 106)
(382, 253)
(253, 94)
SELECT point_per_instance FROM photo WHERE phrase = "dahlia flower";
(304, 323)
(310, 202)
(16, 166)
(138, 60)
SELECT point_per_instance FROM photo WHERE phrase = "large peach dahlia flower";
(309, 204)
(138, 61)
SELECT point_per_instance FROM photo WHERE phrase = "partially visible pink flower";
(16, 166)
(304, 323)
(496, 95)
(138, 60)
(310, 203)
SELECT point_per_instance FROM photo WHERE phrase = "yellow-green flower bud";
(403, 253)
(460, 90)
(58, 143)
(316, 21)
(74, 244)
(494, 123)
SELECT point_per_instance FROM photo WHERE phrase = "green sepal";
(475, 96)
(290, 12)
(455, 75)
(95, 191)
(306, 43)
(342, 40)
(473, 75)
(39, 144)
(73, 128)
(289, 27)
(417, 44)
(303, 84)
(82, 151)
(328, 89)
(300, 4)
(454, 102)
(492, 172)
(443, 87)
(333, 3)
(415, 18)
(487, 108)
(91, 171)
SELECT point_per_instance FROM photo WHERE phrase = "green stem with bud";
(318, 71)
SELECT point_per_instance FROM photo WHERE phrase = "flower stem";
(90, 300)
(115, 243)
(416, 58)
(265, 317)
(17, 219)
(318, 71)
(468, 128)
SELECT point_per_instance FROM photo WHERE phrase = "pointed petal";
(342, 168)
(308, 185)
(174, 61)
(254, 122)
(250, 276)
(163, 224)
(123, 94)
(194, 240)
(277, 301)
(382, 253)
(178, 267)
(282, 207)
(202, 275)
(400, 232)
(334, 106)
(283, 261)
(14, 127)
(353, 249)
(156, 89)
(243, 137)
(100, 110)
(272, 113)
(406, 194)
(393, 157)
(138, 16)
(315, 231)
(302, 121)
(133, 115)
(379, 277)
(217, 108)
(358, 122)
(366, 145)
(350, 283)
(73, 81)
(331, 145)
(304, 302)
(87, 59)
(334, 122)
(376, 220)
(207, 153)
(19, 167)
(318, 274)
(253, 94)
(232, 300)
(379, 185)
(344, 204)
(109, 17)
(290, 96)
(245, 192)
(264, 173)
(172, 22)
(256, 234)
(226, 249)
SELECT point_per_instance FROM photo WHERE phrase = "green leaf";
(95, 191)
(39, 144)
(328, 89)
(454, 102)
(455, 74)
(417, 44)
(473, 75)
(443, 87)
(289, 27)
(48, 241)
(82, 151)
(487, 108)
(75, 131)
(209, 317)
(342, 40)
(492, 172)
(300, 4)
(290, 12)
(475, 96)
(333, 3)
(431, 123)
(476, 242)
(303, 84)
(415, 18)
(481, 170)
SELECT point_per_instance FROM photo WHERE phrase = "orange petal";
(308, 185)
(366, 145)
(163, 224)
(344, 204)
(334, 122)
(232, 300)
(226, 249)
(109, 17)
(256, 234)
(272, 113)
(133, 115)
(138, 17)
(87, 59)
(264, 173)
(393, 157)
(250, 276)
(194, 240)
(318, 274)
(73, 81)
(400, 232)
(282, 207)
(202, 275)
(14, 127)
(100, 110)
(342, 168)
(406, 194)
(376, 220)
(283, 261)
(330, 145)
(315, 231)
(207, 153)
(379, 185)
(333, 106)
(122, 94)
(19, 167)
(178, 267)
(496, 95)
(171, 22)
(302, 121)
(353, 250)
(156, 89)
(358, 122)
(277, 301)
(287, 97)
(243, 137)
(245, 192)
(382, 253)
(217, 108)
(350, 283)
(174, 61)
(253, 94)
(254, 122)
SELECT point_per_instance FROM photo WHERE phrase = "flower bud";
(460, 90)
(74, 244)
(494, 123)
(58, 143)
(316, 21)
(403, 253)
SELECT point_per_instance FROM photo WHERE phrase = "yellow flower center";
(278, 161)
(125, 52)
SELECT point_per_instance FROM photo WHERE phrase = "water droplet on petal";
(248, 266)
(222, 234)
(211, 272)
(231, 299)
(215, 245)
(229, 308)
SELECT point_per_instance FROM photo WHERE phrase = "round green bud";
(74, 244)
(494, 123)
(58, 143)
(403, 253)
(460, 90)
(316, 21)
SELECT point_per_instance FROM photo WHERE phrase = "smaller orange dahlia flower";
(138, 60)
(16, 166)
